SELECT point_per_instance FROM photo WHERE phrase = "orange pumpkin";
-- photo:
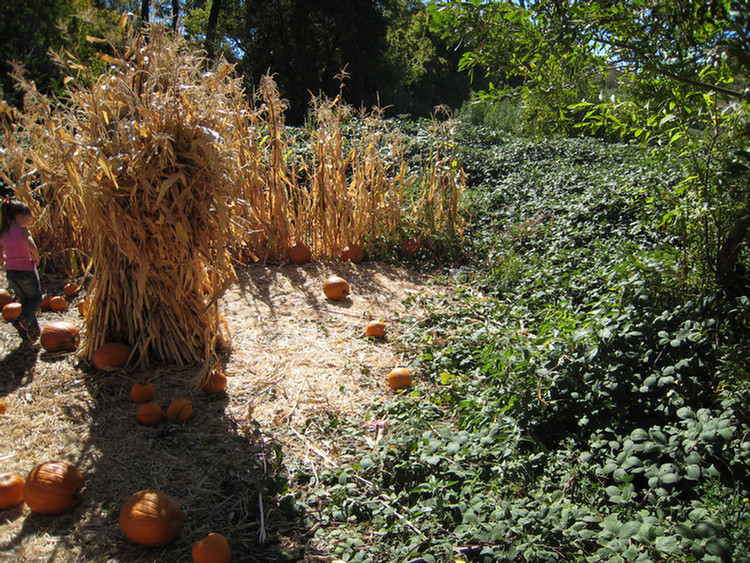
(376, 329)
(11, 490)
(213, 548)
(53, 487)
(180, 410)
(215, 382)
(336, 288)
(3, 407)
(142, 391)
(399, 378)
(149, 414)
(57, 303)
(354, 253)
(82, 304)
(60, 337)
(70, 289)
(44, 305)
(151, 518)
(411, 246)
(299, 253)
(11, 311)
(112, 355)
(5, 297)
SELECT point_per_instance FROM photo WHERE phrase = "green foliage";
(576, 399)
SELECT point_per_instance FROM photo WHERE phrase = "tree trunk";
(726, 258)
(175, 14)
(145, 9)
(213, 20)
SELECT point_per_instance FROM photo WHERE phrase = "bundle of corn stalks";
(158, 174)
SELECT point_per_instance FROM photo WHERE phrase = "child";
(21, 259)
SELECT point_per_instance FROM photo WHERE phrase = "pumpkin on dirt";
(399, 378)
(44, 305)
(11, 490)
(112, 355)
(354, 253)
(57, 303)
(5, 298)
(142, 391)
(82, 304)
(70, 289)
(53, 487)
(336, 288)
(213, 548)
(299, 253)
(151, 518)
(3, 407)
(215, 382)
(149, 414)
(11, 311)
(60, 336)
(180, 410)
(376, 329)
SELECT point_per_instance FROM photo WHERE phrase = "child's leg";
(25, 284)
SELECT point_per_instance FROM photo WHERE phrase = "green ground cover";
(578, 399)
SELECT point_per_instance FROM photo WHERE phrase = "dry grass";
(298, 360)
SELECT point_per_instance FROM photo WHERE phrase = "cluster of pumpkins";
(11, 309)
(337, 288)
(149, 517)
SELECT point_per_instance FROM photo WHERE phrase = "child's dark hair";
(11, 208)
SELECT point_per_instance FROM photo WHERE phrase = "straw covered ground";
(298, 361)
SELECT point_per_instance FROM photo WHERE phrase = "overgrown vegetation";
(578, 397)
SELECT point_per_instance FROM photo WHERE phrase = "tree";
(682, 70)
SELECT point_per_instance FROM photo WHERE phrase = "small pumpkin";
(11, 311)
(376, 329)
(44, 305)
(151, 518)
(112, 355)
(336, 288)
(353, 252)
(299, 253)
(215, 382)
(11, 490)
(70, 289)
(411, 246)
(3, 407)
(57, 303)
(53, 487)
(5, 297)
(213, 548)
(142, 391)
(179, 410)
(399, 378)
(149, 414)
(60, 336)
(82, 304)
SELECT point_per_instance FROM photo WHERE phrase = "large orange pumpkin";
(5, 297)
(215, 382)
(180, 410)
(53, 487)
(149, 414)
(354, 253)
(376, 329)
(336, 288)
(57, 303)
(11, 490)
(11, 311)
(299, 253)
(213, 548)
(151, 518)
(399, 378)
(142, 391)
(60, 336)
(112, 355)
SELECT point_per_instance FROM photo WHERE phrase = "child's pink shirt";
(16, 250)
